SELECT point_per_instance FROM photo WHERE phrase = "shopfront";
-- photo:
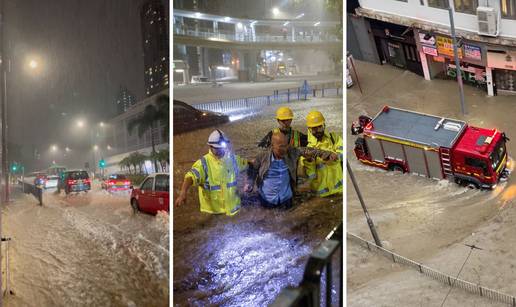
(438, 61)
(502, 62)
(396, 46)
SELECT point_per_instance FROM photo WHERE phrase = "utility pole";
(457, 63)
(3, 59)
(368, 218)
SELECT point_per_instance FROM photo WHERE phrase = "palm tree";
(124, 163)
(154, 156)
(164, 158)
(163, 103)
(146, 122)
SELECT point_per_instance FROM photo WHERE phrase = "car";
(188, 118)
(74, 181)
(200, 80)
(152, 195)
(51, 181)
(116, 182)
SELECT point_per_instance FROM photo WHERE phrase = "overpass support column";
(248, 62)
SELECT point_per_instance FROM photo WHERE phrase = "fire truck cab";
(432, 146)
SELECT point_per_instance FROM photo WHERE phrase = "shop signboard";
(472, 52)
(501, 60)
(445, 46)
(429, 50)
(470, 74)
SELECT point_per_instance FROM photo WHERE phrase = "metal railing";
(247, 104)
(434, 274)
(318, 275)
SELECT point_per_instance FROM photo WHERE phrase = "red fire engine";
(432, 146)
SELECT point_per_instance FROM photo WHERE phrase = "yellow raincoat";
(217, 182)
(326, 176)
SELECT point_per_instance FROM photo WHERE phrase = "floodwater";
(85, 250)
(245, 260)
(427, 220)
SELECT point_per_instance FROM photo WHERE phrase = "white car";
(200, 80)
(51, 182)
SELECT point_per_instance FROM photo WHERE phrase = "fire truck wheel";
(472, 186)
(397, 168)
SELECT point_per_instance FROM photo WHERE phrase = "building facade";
(415, 35)
(124, 101)
(118, 142)
(155, 36)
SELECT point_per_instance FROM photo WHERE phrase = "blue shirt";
(276, 187)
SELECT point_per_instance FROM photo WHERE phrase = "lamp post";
(457, 62)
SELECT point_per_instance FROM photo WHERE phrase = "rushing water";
(87, 250)
(247, 259)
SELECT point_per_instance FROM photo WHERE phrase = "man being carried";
(276, 170)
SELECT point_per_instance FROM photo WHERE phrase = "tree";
(146, 122)
(124, 163)
(163, 157)
(163, 103)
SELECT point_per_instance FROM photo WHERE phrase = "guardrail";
(242, 105)
(318, 275)
(434, 274)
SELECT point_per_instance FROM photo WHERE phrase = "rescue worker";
(216, 176)
(276, 170)
(326, 177)
(284, 116)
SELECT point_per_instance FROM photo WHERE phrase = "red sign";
(429, 50)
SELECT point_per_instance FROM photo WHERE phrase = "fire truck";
(432, 146)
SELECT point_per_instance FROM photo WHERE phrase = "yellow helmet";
(284, 113)
(314, 119)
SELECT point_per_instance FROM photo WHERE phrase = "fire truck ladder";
(445, 160)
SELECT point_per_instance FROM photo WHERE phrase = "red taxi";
(116, 182)
(152, 195)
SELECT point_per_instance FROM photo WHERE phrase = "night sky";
(86, 49)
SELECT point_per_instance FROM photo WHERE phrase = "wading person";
(216, 175)
(325, 176)
(275, 170)
(284, 116)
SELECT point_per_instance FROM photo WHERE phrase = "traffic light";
(14, 167)
(102, 163)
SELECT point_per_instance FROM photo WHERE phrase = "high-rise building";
(155, 46)
(124, 100)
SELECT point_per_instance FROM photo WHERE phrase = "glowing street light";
(80, 123)
(67, 149)
(101, 124)
(53, 148)
(95, 147)
(33, 64)
(275, 11)
(109, 147)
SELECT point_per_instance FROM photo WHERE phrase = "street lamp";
(80, 123)
(101, 124)
(275, 11)
(53, 148)
(33, 64)
(67, 149)
(95, 147)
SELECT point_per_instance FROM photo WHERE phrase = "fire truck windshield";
(497, 154)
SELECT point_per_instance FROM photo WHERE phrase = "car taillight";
(72, 181)
(87, 180)
(111, 183)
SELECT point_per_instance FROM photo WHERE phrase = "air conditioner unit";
(487, 21)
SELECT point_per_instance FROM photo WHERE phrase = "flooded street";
(87, 250)
(245, 260)
(426, 220)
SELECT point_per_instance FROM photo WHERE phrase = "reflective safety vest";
(294, 137)
(326, 177)
(217, 182)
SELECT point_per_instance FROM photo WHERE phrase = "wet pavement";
(85, 250)
(245, 260)
(426, 220)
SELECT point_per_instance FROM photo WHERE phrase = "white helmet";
(218, 139)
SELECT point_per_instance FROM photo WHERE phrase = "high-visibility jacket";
(295, 138)
(217, 182)
(326, 177)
